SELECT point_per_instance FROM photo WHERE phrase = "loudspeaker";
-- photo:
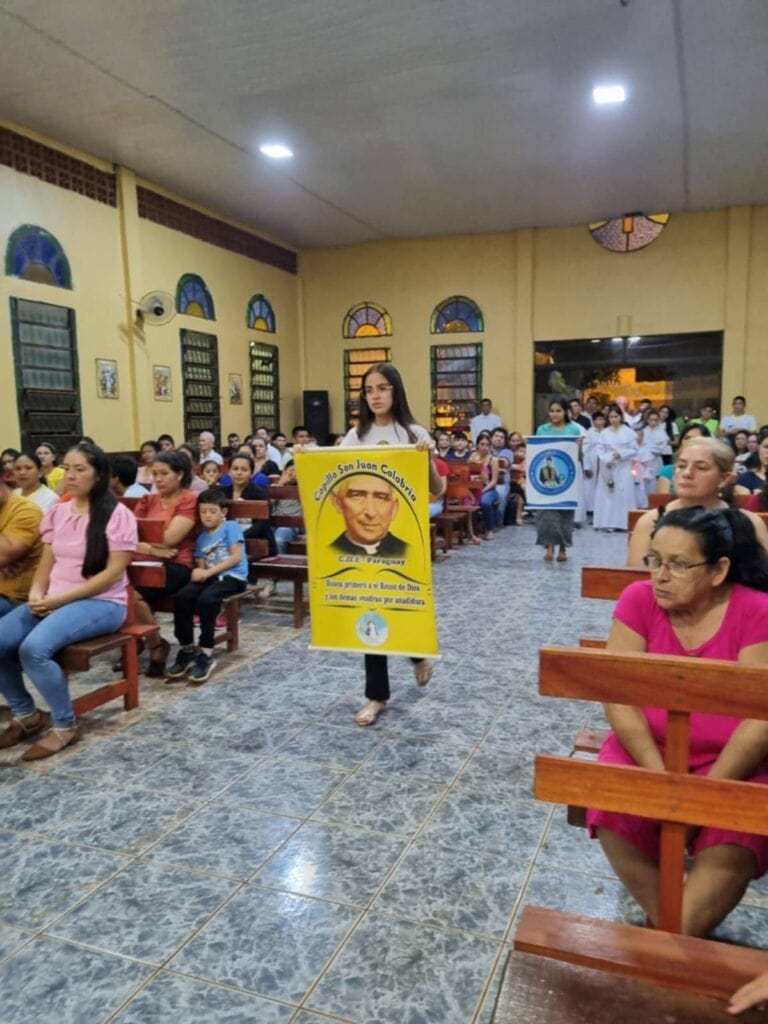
(317, 415)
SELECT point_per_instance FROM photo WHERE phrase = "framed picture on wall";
(106, 379)
(161, 383)
(235, 389)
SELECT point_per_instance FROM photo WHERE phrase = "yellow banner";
(370, 573)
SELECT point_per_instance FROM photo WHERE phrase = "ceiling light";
(634, 337)
(609, 94)
(276, 151)
(617, 339)
(596, 341)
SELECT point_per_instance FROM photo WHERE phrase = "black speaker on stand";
(317, 415)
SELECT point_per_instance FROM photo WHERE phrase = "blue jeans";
(30, 643)
(283, 537)
(6, 605)
(502, 490)
(489, 502)
(435, 508)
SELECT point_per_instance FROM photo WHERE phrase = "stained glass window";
(265, 386)
(455, 315)
(366, 320)
(35, 255)
(193, 297)
(260, 316)
(357, 362)
(629, 233)
(457, 382)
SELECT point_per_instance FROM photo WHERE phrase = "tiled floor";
(244, 853)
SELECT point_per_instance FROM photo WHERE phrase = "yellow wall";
(116, 257)
(707, 271)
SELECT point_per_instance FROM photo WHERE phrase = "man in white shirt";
(485, 420)
(207, 454)
(740, 419)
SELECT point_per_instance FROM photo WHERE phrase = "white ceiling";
(407, 117)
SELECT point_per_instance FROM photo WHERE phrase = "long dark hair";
(401, 413)
(101, 505)
(724, 533)
(669, 422)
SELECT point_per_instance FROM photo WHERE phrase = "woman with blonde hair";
(704, 471)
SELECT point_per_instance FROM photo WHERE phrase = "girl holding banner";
(555, 526)
(385, 418)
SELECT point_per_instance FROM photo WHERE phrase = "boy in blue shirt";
(221, 570)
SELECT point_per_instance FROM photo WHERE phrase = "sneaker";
(202, 669)
(221, 621)
(185, 660)
(266, 589)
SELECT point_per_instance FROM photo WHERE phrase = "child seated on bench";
(221, 571)
(706, 599)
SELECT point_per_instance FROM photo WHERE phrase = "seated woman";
(752, 481)
(487, 496)
(149, 450)
(79, 591)
(703, 474)
(8, 457)
(30, 483)
(243, 488)
(173, 503)
(706, 599)
(54, 475)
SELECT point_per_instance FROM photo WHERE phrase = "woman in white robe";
(657, 440)
(615, 490)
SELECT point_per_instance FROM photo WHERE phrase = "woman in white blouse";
(29, 475)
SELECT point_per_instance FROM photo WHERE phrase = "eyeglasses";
(675, 566)
(378, 389)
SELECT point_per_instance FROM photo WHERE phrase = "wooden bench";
(672, 796)
(286, 567)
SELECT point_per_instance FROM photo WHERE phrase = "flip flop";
(367, 715)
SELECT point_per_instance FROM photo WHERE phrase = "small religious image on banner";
(553, 474)
(366, 516)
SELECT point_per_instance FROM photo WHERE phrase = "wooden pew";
(292, 568)
(672, 796)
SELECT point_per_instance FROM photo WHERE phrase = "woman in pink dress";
(706, 599)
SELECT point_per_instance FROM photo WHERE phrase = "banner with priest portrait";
(553, 473)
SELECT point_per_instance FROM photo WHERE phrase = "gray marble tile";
(575, 892)
(492, 990)
(331, 746)
(11, 939)
(40, 802)
(384, 805)
(481, 821)
(126, 821)
(193, 772)
(266, 942)
(569, 847)
(288, 787)
(169, 997)
(297, 704)
(419, 758)
(391, 970)
(745, 926)
(145, 912)
(112, 761)
(51, 981)
(314, 1018)
(252, 734)
(465, 889)
(461, 722)
(42, 879)
(332, 863)
(225, 840)
(10, 841)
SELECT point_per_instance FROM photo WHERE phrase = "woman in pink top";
(80, 590)
(706, 599)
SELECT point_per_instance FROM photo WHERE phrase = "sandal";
(22, 729)
(52, 743)
(422, 672)
(367, 715)
(475, 540)
(562, 556)
(158, 656)
(549, 554)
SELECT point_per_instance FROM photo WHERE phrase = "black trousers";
(203, 599)
(377, 676)
(175, 578)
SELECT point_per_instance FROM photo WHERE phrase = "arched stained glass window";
(35, 255)
(366, 320)
(193, 297)
(456, 315)
(629, 233)
(260, 316)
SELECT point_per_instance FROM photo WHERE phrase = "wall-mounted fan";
(156, 308)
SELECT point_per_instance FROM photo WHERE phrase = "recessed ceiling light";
(276, 151)
(617, 339)
(609, 94)
(634, 337)
(596, 341)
